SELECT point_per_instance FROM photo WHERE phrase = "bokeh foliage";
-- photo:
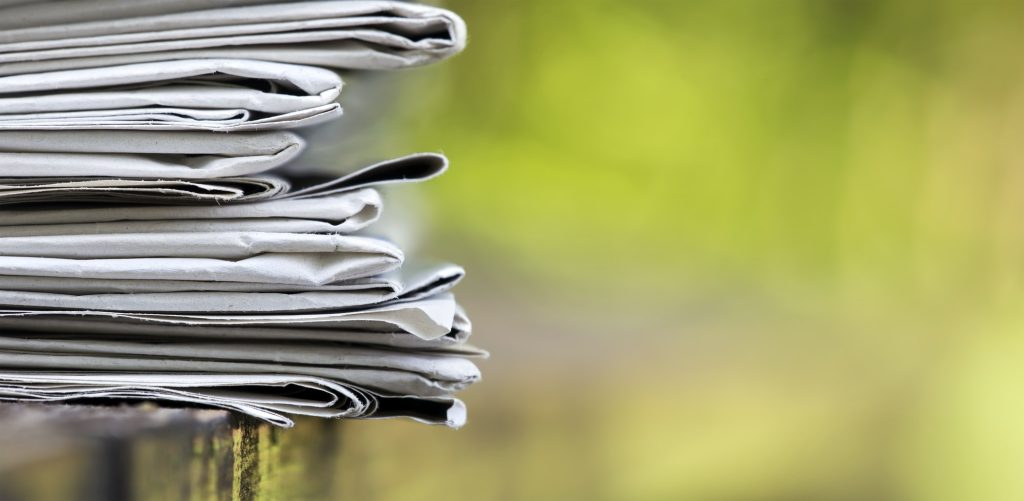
(785, 236)
(856, 144)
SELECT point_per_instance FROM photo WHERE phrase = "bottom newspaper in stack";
(268, 308)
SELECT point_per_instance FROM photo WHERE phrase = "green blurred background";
(726, 249)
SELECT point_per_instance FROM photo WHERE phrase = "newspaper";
(221, 95)
(311, 269)
(224, 245)
(47, 293)
(143, 154)
(455, 342)
(345, 212)
(135, 190)
(388, 371)
(347, 34)
(427, 318)
(412, 281)
(430, 319)
(267, 396)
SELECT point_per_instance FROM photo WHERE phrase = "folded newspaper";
(155, 246)
(193, 94)
(346, 34)
(134, 187)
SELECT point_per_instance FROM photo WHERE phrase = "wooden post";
(147, 452)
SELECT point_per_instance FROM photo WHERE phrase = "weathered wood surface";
(145, 452)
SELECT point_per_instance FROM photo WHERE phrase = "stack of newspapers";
(153, 246)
